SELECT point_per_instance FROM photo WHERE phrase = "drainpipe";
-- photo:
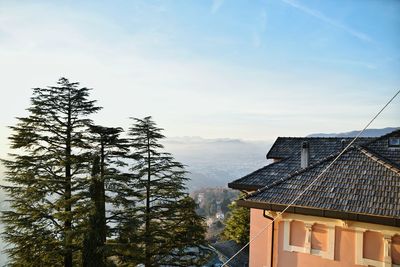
(272, 237)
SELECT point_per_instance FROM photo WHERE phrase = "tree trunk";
(67, 195)
(148, 234)
(102, 205)
(93, 253)
(68, 223)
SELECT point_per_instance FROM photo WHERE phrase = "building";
(220, 216)
(350, 217)
(200, 198)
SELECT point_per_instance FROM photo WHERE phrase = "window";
(394, 141)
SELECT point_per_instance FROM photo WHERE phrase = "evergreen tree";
(109, 150)
(237, 224)
(46, 174)
(189, 235)
(160, 184)
(190, 227)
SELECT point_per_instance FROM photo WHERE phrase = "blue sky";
(216, 69)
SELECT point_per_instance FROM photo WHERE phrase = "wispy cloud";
(175, 87)
(260, 29)
(349, 62)
(317, 14)
(216, 5)
(256, 41)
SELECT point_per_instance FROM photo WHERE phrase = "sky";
(252, 70)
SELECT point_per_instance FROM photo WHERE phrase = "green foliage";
(162, 203)
(73, 201)
(210, 198)
(190, 227)
(46, 175)
(237, 225)
(105, 182)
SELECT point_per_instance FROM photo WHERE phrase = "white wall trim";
(359, 228)
(329, 254)
(360, 260)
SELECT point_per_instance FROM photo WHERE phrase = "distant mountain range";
(215, 162)
(366, 133)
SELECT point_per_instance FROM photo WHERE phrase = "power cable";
(308, 187)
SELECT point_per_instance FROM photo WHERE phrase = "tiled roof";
(288, 150)
(320, 147)
(364, 180)
(228, 249)
(267, 174)
(358, 182)
(381, 147)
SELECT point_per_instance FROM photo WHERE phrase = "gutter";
(350, 216)
(244, 187)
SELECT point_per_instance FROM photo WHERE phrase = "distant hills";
(215, 162)
(366, 133)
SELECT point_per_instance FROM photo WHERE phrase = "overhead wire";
(313, 181)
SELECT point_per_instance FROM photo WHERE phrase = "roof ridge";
(381, 137)
(268, 165)
(380, 159)
(281, 139)
(277, 182)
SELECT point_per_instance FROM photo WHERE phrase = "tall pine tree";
(46, 174)
(160, 184)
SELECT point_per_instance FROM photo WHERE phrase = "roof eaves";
(243, 186)
(354, 216)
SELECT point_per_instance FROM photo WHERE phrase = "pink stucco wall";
(318, 235)
(298, 233)
(345, 247)
(374, 252)
(344, 252)
(260, 248)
